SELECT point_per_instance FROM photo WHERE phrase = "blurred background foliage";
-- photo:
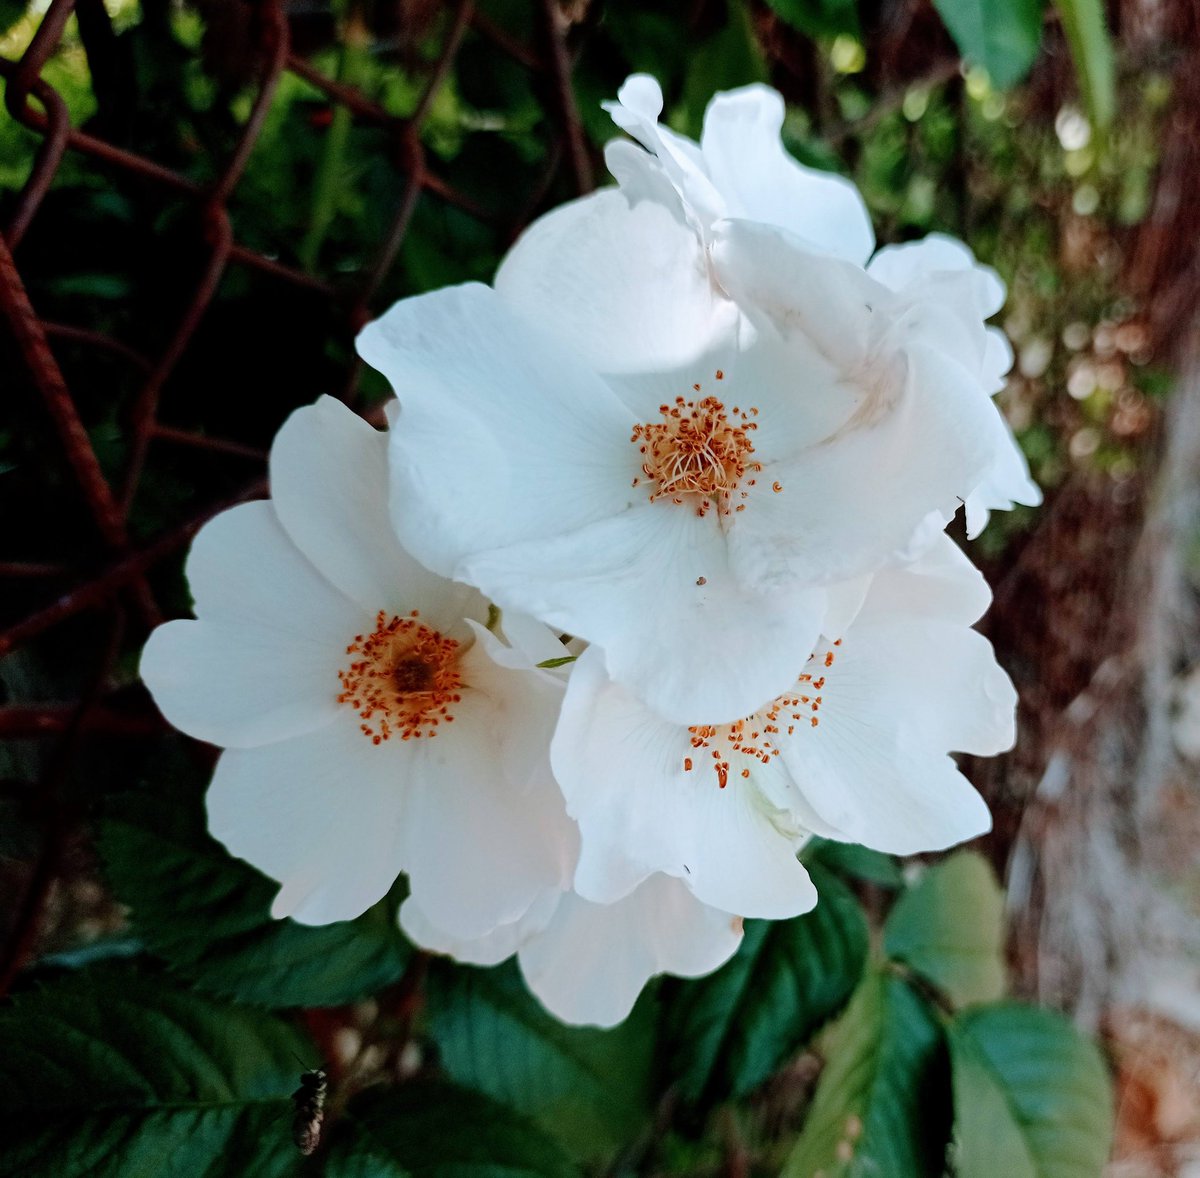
(918, 1023)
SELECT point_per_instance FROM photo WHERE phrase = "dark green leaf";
(561, 662)
(849, 859)
(733, 1028)
(1091, 48)
(950, 929)
(818, 18)
(1031, 1096)
(111, 1073)
(208, 914)
(11, 11)
(881, 1107)
(729, 58)
(1000, 35)
(589, 1088)
(431, 1130)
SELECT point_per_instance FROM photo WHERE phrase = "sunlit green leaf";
(590, 1088)
(1084, 23)
(950, 929)
(1032, 1097)
(109, 1073)
(1001, 35)
(882, 1105)
(734, 1028)
(208, 914)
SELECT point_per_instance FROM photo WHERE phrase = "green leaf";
(729, 58)
(559, 662)
(732, 1029)
(109, 1072)
(208, 914)
(950, 929)
(818, 18)
(11, 11)
(590, 1088)
(1032, 1097)
(1001, 35)
(435, 1130)
(849, 859)
(880, 1107)
(1091, 49)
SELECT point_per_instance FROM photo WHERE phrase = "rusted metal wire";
(114, 581)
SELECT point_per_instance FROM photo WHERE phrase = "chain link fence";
(113, 577)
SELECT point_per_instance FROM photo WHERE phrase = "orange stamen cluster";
(699, 449)
(404, 680)
(758, 736)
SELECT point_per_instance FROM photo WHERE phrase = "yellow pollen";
(402, 679)
(699, 450)
(758, 736)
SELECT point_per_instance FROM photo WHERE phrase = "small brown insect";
(309, 1100)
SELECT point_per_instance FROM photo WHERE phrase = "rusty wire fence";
(113, 580)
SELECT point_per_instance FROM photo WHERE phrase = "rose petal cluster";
(645, 584)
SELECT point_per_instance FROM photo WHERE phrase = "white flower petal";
(261, 664)
(829, 522)
(654, 588)
(640, 811)
(478, 847)
(237, 686)
(321, 813)
(244, 568)
(775, 277)
(328, 487)
(593, 960)
(490, 949)
(941, 585)
(642, 178)
(913, 264)
(639, 103)
(749, 166)
(492, 411)
(897, 698)
(1006, 481)
(627, 289)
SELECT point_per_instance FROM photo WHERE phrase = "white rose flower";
(940, 277)
(856, 750)
(370, 724)
(740, 169)
(609, 443)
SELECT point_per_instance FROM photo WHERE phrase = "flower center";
(403, 680)
(759, 737)
(699, 449)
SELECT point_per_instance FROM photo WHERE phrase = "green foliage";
(880, 1104)
(730, 58)
(1083, 22)
(435, 1130)
(1001, 35)
(818, 18)
(115, 1073)
(208, 914)
(590, 1088)
(1032, 1097)
(950, 929)
(11, 11)
(731, 1030)
(855, 862)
